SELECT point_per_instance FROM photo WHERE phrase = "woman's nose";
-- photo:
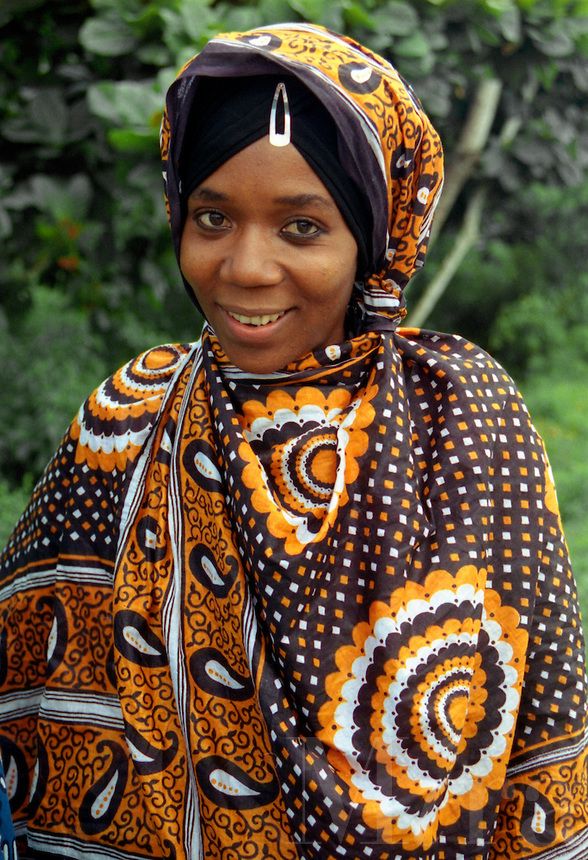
(250, 260)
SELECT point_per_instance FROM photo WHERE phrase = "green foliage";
(50, 362)
(525, 297)
(539, 330)
(12, 504)
(79, 213)
(51, 359)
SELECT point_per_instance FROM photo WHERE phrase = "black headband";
(231, 113)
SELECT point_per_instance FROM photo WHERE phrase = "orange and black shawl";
(324, 613)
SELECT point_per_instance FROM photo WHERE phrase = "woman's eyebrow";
(209, 194)
(304, 200)
(205, 193)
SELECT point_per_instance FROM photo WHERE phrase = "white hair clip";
(280, 138)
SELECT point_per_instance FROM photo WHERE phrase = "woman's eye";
(211, 219)
(302, 228)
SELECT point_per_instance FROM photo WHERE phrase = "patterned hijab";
(340, 623)
(386, 142)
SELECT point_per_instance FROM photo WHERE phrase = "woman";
(298, 590)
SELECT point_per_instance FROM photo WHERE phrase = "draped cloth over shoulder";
(321, 613)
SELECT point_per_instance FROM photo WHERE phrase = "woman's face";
(269, 257)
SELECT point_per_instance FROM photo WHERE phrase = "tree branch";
(471, 144)
(472, 141)
(465, 240)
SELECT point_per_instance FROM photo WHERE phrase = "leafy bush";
(525, 296)
(50, 360)
(12, 504)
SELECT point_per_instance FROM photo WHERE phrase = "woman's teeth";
(264, 319)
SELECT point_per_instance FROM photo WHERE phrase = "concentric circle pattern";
(115, 420)
(302, 453)
(304, 470)
(412, 692)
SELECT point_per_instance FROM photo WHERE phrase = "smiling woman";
(297, 590)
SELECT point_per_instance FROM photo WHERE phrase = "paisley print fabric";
(321, 613)
(397, 668)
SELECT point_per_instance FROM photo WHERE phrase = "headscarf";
(324, 613)
(387, 144)
(229, 114)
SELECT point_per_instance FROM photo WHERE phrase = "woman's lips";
(255, 320)
(256, 327)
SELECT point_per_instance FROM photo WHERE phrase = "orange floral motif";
(115, 401)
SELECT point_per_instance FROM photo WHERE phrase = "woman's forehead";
(280, 173)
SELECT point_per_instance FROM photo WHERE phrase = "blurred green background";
(88, 277)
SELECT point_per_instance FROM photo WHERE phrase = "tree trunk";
(472, 141)
(465, 239)
(471, 144)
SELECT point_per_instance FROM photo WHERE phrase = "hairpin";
(280, 138)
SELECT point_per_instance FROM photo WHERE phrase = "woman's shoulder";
(458, 387)
(452, 360)
(441, 348)
(114, 421)
(80, 491)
